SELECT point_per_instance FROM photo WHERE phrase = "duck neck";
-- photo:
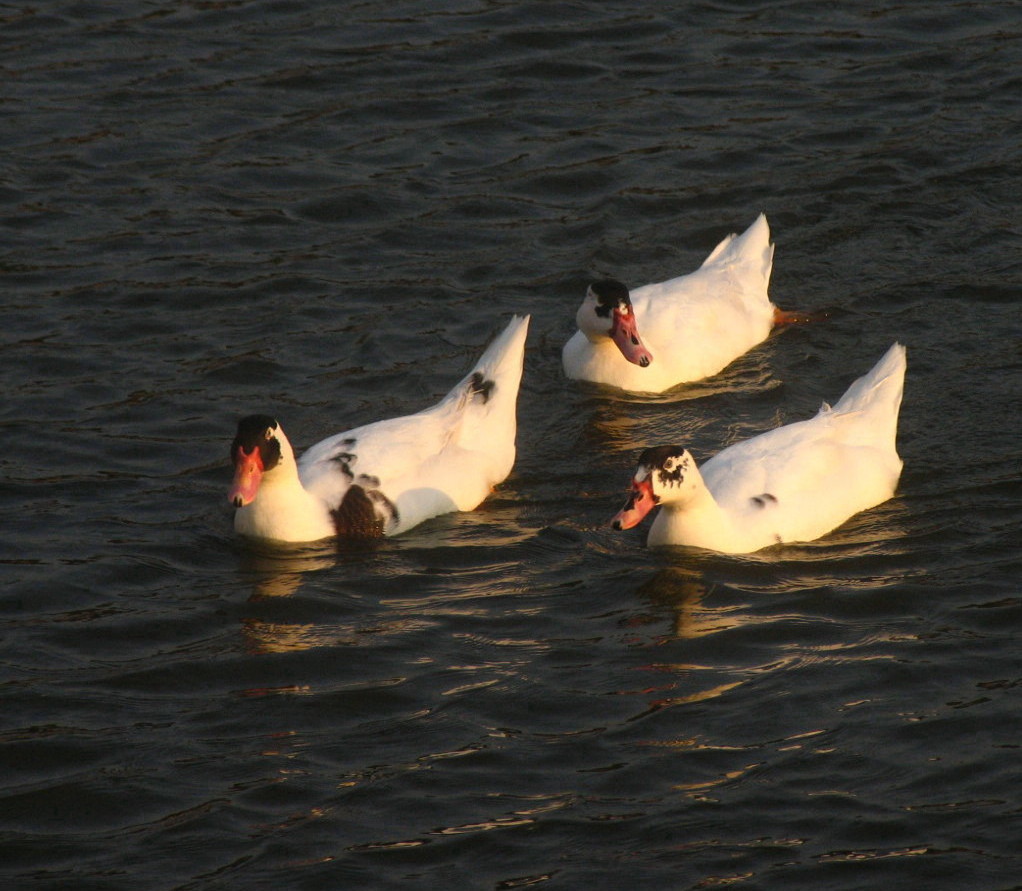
(283, 509)
(601, 340)
(696, 519)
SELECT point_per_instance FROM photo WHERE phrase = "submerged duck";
(682, 329)
(794, 483)
(388, 476)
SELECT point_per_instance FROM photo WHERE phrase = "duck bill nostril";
(625, 333)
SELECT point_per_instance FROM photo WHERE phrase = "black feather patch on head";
(258, 432)
(610, 294)
(481, 386)
(670, 463)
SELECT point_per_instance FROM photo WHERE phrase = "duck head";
(607, 312)
(256, 450)
(663, 474)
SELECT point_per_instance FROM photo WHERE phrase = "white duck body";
(391, 475)
(795, 483)
(693, 325)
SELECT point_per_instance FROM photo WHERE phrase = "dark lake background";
(324, 210)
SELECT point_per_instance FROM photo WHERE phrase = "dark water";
(324, 210)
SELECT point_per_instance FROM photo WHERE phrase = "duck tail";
(487, 396)
(752, 248)
(876, 396)
(500, 365)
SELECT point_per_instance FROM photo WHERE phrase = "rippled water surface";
(324, 210)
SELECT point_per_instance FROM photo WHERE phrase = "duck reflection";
(681, 590)
(277, 572)
(864, 555)
(627, 423)
(278, 569)
(626, 427)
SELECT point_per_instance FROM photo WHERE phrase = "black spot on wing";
(764, 499)
(344, 460)
(480, 386)
(346, 456)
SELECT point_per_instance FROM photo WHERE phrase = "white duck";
(793, 483)
(388, 476)
(679, 330)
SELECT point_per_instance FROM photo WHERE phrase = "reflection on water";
(284, 637)
(723, 638)
(277, 569)
(630, 422)
(394, 580)
(682, 591)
